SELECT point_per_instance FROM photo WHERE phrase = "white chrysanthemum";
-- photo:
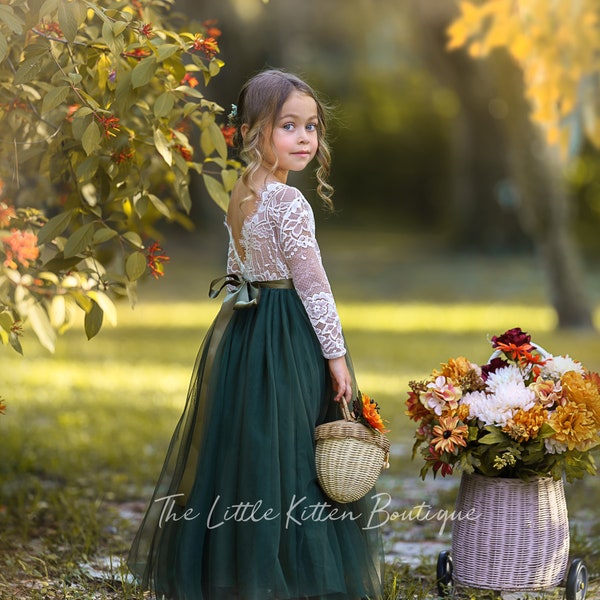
(556, 366)
(499, 408)
(554, 446)
(503, 377)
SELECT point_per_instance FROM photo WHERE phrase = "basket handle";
(346, 411)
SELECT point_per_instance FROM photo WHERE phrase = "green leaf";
(28, 69)
(162, 146)
(106, 304)
(79, 240)
(218, 139)
(55, 226)
(15, 342)
(103, 235)
(87, 168)
(93, 321)
(494, 436)
(14, 23)
(160, 206)
(164, 105)
(91, 138)
(166, 50)
(3, 47)
(134, 239)
(216, 191)
(6, 320)
(135, 265)
(143, 72)
(41, 326)
(206, 142)
(98, 10)
(229, 177)
(119, 27)
(54, 97)
(70, 17)
(48, 8)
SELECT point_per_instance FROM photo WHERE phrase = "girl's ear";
(244, 129)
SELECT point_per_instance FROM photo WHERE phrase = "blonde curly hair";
(259, 103)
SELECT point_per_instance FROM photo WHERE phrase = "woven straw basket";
(349, 457)
(517, 538)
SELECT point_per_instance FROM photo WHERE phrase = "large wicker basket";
(516, 537)
(349, 457)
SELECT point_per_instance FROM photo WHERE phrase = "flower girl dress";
(237, 513)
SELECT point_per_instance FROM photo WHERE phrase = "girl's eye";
(311, 127)
(288, 126)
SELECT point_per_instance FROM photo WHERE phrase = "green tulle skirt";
(237, 513)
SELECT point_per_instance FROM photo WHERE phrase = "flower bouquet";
(524, 414)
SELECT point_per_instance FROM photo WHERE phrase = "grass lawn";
(86, 429)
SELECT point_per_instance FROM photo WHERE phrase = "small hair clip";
(233, 114)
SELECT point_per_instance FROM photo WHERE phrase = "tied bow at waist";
(246, 293)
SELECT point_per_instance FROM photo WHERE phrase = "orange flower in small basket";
(367, 411)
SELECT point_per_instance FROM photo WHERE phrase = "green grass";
(86, 429)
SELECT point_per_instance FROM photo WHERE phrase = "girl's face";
(294, 138)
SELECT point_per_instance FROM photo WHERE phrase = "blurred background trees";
(432, 131)
(437, 137)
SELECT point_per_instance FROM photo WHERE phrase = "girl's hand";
(340, 378)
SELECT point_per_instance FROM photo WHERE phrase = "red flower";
(211, 30)
(229, 132)
(190, 80)
(122, 156)
(155, 260)
(138, 7)
(109, 123)
(51, 27)
(138, 53)
(146, 29)
(185, 152)
(73, 108)
(2, 407)
(493, 366)
(438, 464)
(208, 46)
(20, 247)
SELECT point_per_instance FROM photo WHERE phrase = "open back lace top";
(277, 241)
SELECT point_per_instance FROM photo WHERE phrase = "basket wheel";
(444, 574)
(577, 580)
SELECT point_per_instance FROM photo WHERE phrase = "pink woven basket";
(518, 538)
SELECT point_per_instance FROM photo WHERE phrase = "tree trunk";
(543, 203)
(544, 207)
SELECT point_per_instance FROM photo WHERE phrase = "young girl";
(237, 513)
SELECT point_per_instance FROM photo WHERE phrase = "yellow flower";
(525, 424)
(583, 391)
(456, 368)
(463, 412)
(574, 425)
(448, 435)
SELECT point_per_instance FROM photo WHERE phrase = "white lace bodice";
(278, 242)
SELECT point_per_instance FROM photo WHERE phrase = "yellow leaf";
(457, 33)
(103, 71)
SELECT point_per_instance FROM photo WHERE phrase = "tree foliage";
(558, 48)
(99, 102)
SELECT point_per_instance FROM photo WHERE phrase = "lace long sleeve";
(303, 257)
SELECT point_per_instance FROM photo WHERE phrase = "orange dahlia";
(574, 426)
(584, 392)
(526, 424)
